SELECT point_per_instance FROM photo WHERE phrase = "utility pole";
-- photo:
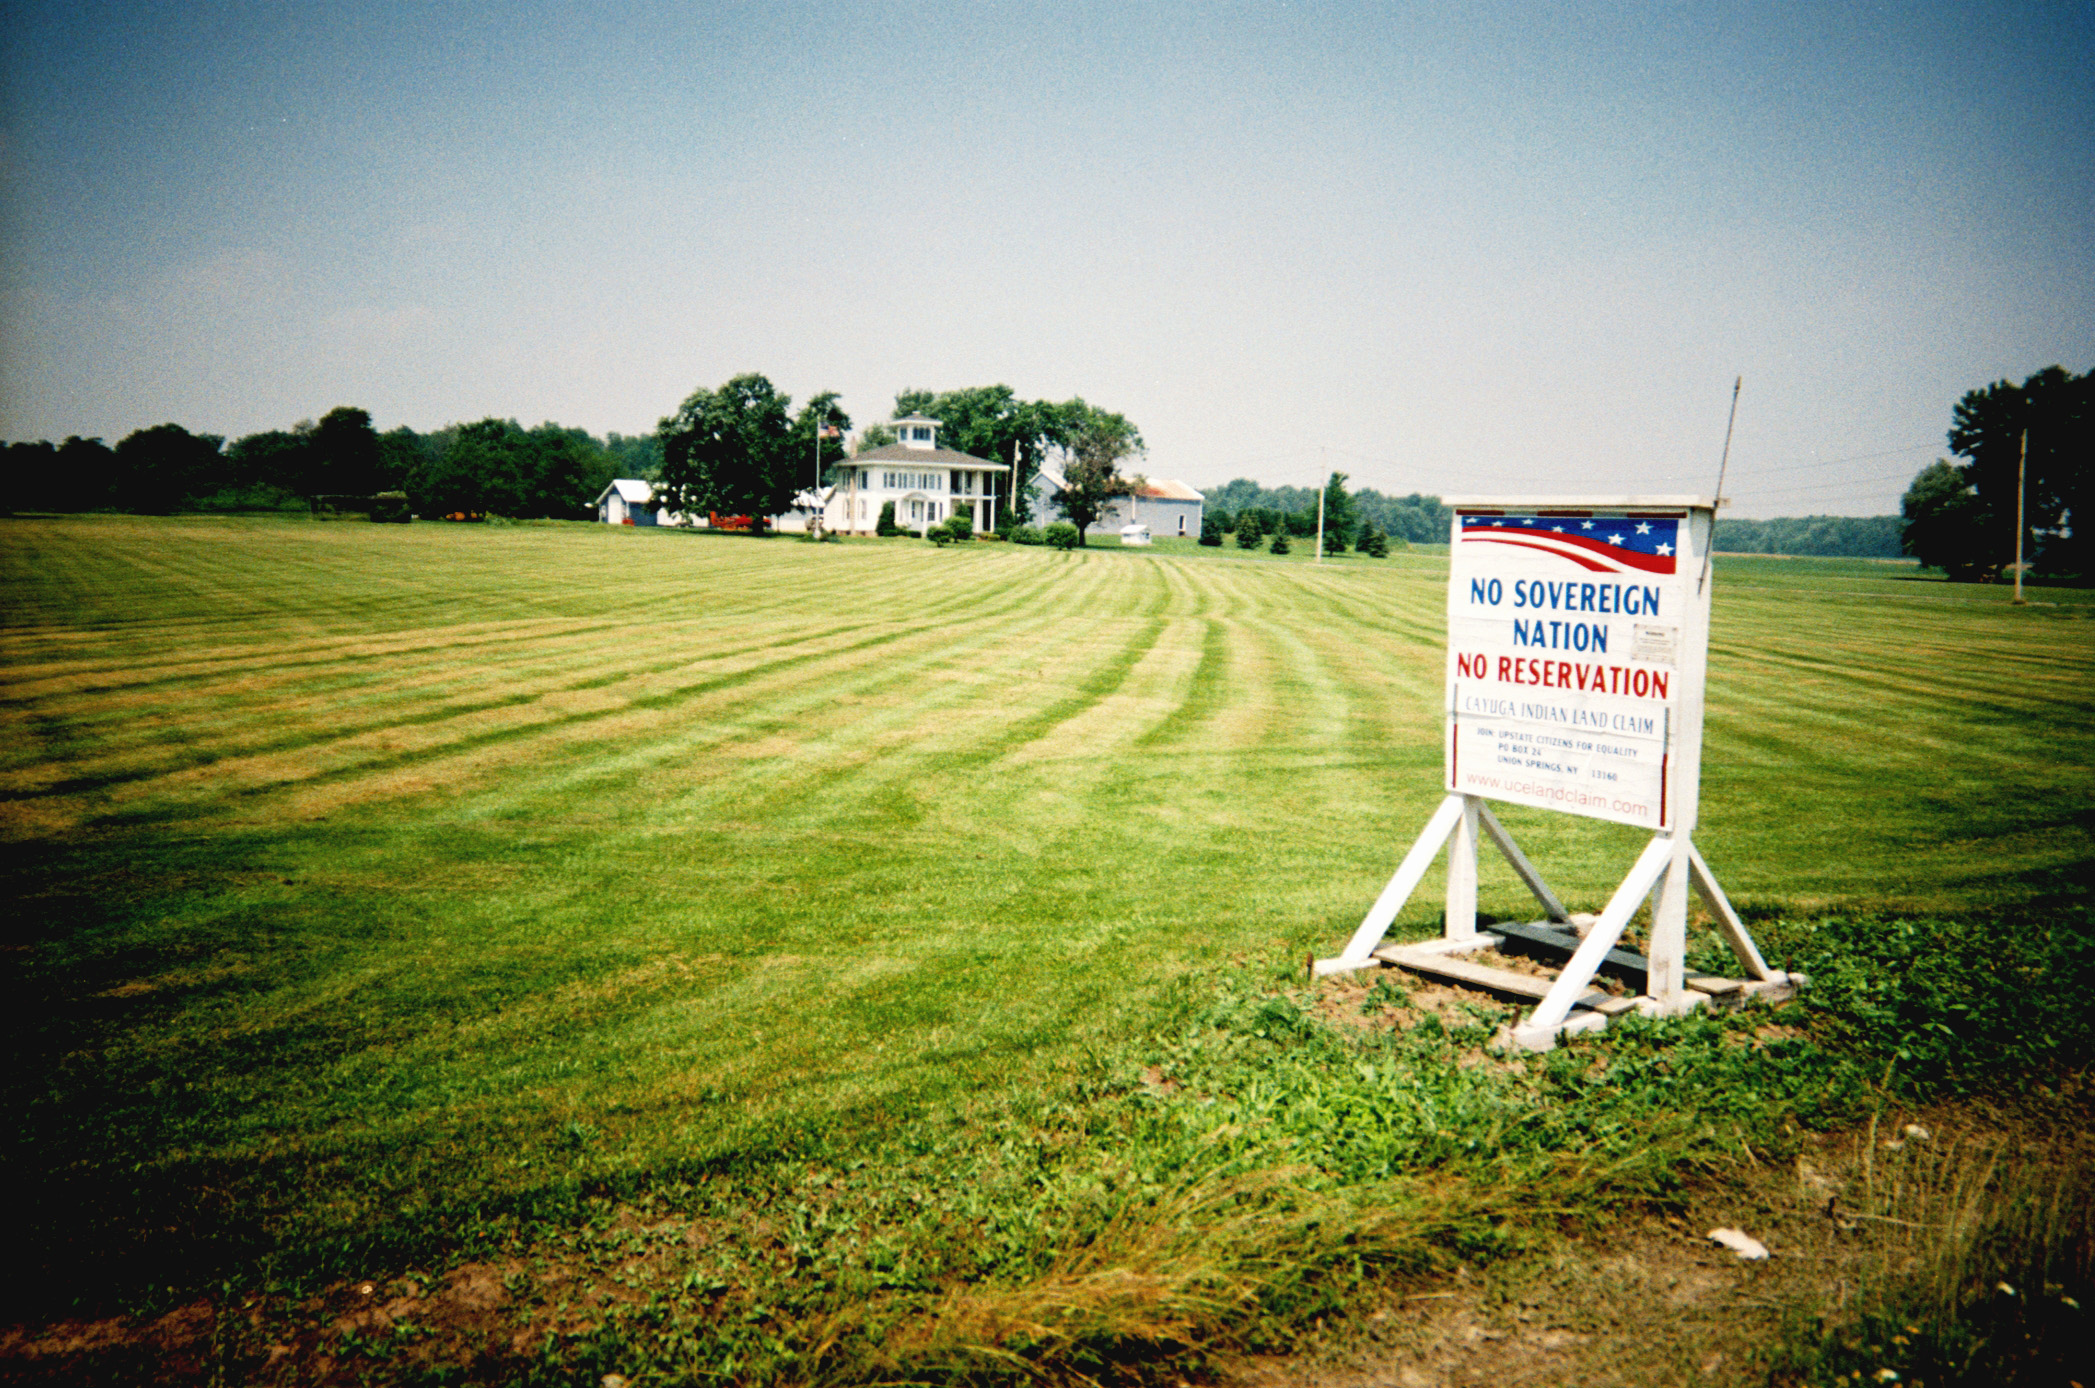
(2022, 468)
(815, 496)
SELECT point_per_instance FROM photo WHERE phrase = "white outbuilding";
(627, 501)
(1160, 505)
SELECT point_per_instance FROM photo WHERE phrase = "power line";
(1833, 482)
(1851, 458)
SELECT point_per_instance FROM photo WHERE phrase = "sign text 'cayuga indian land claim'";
(1576, 643)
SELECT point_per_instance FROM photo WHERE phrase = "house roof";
(937, 457)
(919, 419)
(629, 489)
(1050, 479)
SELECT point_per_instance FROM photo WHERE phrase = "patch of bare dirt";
(1651, 1303)
(1373, 1000)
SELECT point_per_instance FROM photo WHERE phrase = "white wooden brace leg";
(1461, 915)
(1408, 875)
(1539, 1031)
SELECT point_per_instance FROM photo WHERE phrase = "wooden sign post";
(1578, 637)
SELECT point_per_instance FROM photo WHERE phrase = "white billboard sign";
(1577, 637)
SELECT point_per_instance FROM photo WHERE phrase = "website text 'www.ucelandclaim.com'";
(1570, 796)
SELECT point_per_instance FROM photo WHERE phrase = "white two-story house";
(927, 483)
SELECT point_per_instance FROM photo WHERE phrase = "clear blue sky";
(1442, 248)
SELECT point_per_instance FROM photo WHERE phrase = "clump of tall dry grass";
(1219, 1259)
(1965, 1258)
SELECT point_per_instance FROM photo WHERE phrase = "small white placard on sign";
(1576, 642)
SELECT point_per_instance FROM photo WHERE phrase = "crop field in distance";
(391, 899)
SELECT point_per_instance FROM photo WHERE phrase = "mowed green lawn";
(361, 869)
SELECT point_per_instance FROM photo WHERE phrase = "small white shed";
(1134, 534)
(626, 502)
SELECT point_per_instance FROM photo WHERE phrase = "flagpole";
(1718, 500)
(1323, 484)
(2022, 466)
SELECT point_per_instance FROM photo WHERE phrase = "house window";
(1182, 523)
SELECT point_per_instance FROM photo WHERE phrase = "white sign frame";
(1600, 705)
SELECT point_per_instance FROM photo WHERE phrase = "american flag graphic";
(1604, 544)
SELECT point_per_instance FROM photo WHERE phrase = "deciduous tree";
(738, 450)
(32, 480)
(342, 454)
(157, 469)
(1099, 442)
(1961, 516)
(89, 469)
(274, 459)
(1943, 519)
(477, 472)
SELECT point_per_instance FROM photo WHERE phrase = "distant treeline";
(1420, 519)
(1415, 519)
(1847, 537)
(498, 467)
(491, 466)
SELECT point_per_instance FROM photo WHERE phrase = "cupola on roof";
(917, 431)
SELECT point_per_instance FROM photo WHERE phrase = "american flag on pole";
(1603, 544)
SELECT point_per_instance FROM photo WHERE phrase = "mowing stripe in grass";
(435, 839)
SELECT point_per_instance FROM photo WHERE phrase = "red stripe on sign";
(1579, 559)
(1617, 557)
